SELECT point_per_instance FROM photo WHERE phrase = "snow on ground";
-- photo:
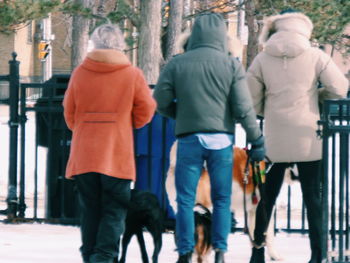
(38, 243)
(43, 243)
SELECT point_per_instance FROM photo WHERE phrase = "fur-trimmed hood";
(105, 60)
(294, 22)
(286, 35)
(109, 56)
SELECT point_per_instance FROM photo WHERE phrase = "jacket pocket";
(100, 117)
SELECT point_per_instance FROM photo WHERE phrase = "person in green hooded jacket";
(205, 91)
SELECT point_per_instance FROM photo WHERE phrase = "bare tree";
(149, 50)
(174, 27)
(204, 4)
(253, 30)
(80, 34)
(99, 8)
(187, 11)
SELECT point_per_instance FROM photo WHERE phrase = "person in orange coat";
(106, 99)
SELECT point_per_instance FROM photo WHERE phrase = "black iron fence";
(52, 133)
(56, 200)
(335, 191)
(152, 146)
(13, 79)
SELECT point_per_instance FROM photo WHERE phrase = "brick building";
(25, 43)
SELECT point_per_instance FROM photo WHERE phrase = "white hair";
(108, 36)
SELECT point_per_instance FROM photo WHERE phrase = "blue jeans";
(190, 159)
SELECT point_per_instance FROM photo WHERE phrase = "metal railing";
(152, 146)
(13, 79)
(335, 191)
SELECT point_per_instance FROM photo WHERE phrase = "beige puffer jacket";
(283, 83)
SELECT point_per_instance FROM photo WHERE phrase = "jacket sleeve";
(69, 104)
(256, 86)
(164, 93)
(242, 105)
(143, 105)
(335, 84)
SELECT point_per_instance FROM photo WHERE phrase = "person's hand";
(257, 151)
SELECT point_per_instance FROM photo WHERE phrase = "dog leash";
(259, 177)
(245, 183)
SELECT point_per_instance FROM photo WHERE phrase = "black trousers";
(310, 180)
(103, 202)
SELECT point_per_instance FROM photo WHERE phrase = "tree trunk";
(253, 31)
(149, 50)
(174, 27)
(202, 4)
(187, 11)
(99, 8)
(80, 35)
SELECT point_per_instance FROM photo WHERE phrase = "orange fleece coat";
(106, 98)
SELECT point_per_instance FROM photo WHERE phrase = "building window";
(30, 33)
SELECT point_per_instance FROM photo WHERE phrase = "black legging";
(310, 180)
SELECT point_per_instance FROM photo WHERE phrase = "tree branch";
(233, 8)
(125, 10)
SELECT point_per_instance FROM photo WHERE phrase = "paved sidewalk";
(39, 243)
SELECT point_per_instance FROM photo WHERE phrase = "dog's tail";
(202, 217)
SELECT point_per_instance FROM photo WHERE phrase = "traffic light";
(44, 50)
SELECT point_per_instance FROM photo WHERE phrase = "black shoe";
(219, 256)
(315, 260)
(316, 257)
(258, 255)
(234, 222)
(185, 258)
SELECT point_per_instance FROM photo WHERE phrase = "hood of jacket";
(105, 60)
(234, 45)
(286, 35)
(209, 30)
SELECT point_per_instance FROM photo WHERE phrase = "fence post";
(336, 126)
(13, 123)
(324, 189)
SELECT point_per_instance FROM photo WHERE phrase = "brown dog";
(202, 248)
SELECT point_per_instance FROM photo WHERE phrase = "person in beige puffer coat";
(283, 83)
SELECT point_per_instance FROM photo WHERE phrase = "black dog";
(144, 211)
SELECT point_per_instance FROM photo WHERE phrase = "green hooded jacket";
(205, 89)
